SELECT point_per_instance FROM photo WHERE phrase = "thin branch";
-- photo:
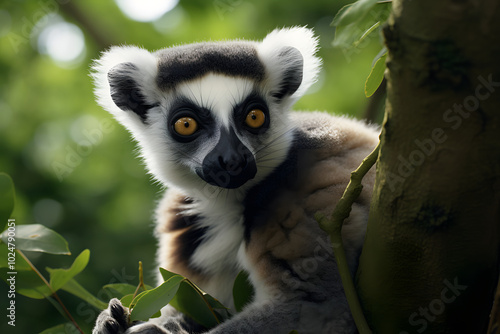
(333, 226)
(66, 312)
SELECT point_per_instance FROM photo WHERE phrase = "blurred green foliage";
(105, 200)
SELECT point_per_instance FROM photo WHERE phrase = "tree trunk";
(431, 256)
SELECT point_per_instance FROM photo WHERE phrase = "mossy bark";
(431, 256)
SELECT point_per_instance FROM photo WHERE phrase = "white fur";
(146, 64)
(217, 93)
(303, 40)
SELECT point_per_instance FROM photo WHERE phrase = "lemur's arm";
(264, 318)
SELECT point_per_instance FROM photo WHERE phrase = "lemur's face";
(217, 130)
(210, 114)
(224, 130)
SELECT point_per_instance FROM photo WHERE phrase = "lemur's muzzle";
(230, 164)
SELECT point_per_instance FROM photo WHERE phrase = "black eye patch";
(184, 107)
(240, 113)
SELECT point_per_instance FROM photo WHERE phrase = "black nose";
(230, 164)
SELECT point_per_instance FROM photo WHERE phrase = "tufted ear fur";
(126, 76)
(126, 90)
(290, 61)
(125, 84)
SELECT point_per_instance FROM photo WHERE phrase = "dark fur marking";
(292, 77)
(181, 222)
(193, 61)
(240, 111)
(189, 240)
(183, 106)
(125, 91)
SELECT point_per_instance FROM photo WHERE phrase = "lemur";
(244, 177)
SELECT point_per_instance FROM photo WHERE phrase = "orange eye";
(185, 126)
(255, 118)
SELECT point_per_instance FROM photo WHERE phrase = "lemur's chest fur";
(209, 239)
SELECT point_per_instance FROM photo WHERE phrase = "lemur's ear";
(290, 61)
(291, 72)
(126, 90)
(125, 83)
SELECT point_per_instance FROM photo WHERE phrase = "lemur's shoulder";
(280, 218)
(325, 150)
(335, 134)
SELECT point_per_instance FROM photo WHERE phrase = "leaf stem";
(141, 281)
(140, 285)
(333, 226)
(66, 312)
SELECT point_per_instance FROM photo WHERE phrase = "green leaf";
(191, 302)
(214, 302)
(223, 313)
(354, 33)
(76, 289)
(120, 289)
(38, 238)
(166, 274)
(7, 195)
(200, 306)
(151, 301)
(243, 291)
(366, 34)
(67, 328)
(353, 12)
(376, 76)
(59, 277)
(30, 284)
(337, 20)
(127, 300)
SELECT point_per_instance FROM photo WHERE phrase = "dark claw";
(118, 313)
(113, 320)
(111, 326)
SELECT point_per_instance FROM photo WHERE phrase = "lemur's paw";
(113, 320)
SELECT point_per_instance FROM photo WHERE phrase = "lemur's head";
(210, 114)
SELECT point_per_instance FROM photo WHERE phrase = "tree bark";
(431, 256)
